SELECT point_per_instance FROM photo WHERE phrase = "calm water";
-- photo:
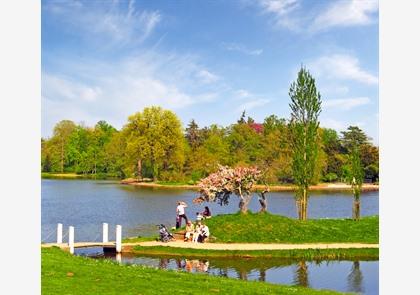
(344, 276)
(86, 204)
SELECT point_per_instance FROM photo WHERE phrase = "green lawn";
(269, 228)
(63, 273)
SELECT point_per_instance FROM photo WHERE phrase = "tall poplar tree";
(306, 107)
(357, 175)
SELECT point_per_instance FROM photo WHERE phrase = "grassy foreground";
(63, 273)
(269, 228)
(309, 254)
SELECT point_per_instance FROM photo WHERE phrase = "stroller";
(164, 234)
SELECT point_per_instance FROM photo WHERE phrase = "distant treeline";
(153, 144)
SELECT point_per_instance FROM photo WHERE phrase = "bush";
(330, 177)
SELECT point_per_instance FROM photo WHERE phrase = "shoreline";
(273, 188)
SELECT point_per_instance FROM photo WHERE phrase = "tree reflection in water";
(262, 275)
(163, 263)
(355, 278)
(301, 274)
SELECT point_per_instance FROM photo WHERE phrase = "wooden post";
(118, 257)
(71, 239)
(104, 232)
(118, 239)
(59, 233)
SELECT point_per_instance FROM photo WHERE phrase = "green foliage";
(155, 137)
(306, 107)
(330, 177)
(63, 273)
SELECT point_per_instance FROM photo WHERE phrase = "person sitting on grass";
(189, 230)
(206, 213)
(197, 232)
(204, 234)
(199, 217)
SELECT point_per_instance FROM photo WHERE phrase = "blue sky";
(208, 60)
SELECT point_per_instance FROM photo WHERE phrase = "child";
(197, 232)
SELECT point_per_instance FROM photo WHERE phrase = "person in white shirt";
(180, 213)
(205, 233)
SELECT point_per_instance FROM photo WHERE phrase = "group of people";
(199, 231)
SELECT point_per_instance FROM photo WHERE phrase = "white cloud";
(111, 21)
(338, 125)
(346, 13)
(241, 48)
(346, 103)
(249, 105)
(112, 91)
(340, 66)
(61, 88)
(207, 77)
(343, 13)
(282, 11)
(333, 124)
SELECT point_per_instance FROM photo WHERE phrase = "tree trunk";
(356, 209)
(299, 208)
(243, 203)
(139, 176)
(304, 214)
(263, 201)
(62, 157)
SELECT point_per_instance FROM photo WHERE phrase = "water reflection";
(344, 276)
(355, 278)
(301, 274)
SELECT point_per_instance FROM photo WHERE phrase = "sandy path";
(253, 246)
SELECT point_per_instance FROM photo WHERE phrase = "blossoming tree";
(220, 185)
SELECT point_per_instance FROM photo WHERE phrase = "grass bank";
(270, 228)
(99, 176)
(309, 254)
(273, 187)
(63, 273)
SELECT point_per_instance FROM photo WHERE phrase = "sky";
(208, 60)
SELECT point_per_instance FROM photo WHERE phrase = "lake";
(86, 204)
(344, 276)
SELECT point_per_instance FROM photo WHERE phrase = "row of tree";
(153, 145)
(307, 147)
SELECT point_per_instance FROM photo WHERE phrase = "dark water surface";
(86, 204)
(344, 276)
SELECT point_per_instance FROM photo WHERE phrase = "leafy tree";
(220, 185)
(155, 137)
(306, 107)
(193, 134)
(276, 150)
(242, 118)
(61, 134)
(115, 156)
(353, 136)
(244, 143)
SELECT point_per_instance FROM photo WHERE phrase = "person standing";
(180, 213)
